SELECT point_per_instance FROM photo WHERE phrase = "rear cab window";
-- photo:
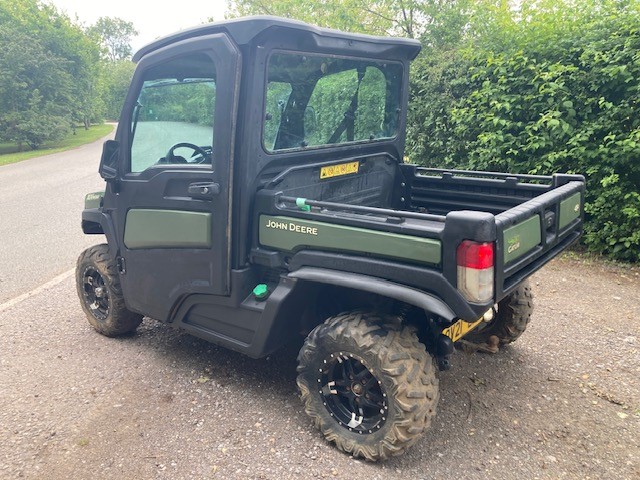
(315, 101)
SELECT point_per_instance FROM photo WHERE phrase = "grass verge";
(9, 155)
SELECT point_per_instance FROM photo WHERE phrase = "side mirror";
(109, 161)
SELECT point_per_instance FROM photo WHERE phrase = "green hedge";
(524, 105)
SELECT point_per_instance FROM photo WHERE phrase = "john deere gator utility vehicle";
(256, 191)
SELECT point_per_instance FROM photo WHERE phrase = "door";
(173, 203)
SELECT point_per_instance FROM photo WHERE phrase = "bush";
(571, 105)
(38, 123)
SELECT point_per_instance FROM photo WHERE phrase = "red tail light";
(475, 255)
(475, 270)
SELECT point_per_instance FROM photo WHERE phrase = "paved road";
(40, 204)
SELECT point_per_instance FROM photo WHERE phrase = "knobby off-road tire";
(511, 319)
(98, 286)
(397, 375)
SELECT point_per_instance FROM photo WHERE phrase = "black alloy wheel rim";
(96, 293)
(352, 394)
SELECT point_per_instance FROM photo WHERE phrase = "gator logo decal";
(93, 200)
(513, 244)
(93, 196)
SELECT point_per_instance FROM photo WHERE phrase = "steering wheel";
(170, 158)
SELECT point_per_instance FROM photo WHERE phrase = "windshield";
(314, 101)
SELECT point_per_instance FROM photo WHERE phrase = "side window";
(172, 122)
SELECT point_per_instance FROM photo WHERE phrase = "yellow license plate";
(459, 329)
(337, 170)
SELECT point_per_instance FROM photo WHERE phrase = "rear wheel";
(368, 384)
(98, 286)
(512, 316)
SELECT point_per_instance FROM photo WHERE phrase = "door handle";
(203, 190)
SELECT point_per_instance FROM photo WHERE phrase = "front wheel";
(98, 286)
(368, 384)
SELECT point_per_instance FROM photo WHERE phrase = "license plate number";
(459, 329)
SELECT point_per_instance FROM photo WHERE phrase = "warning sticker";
(338, 170)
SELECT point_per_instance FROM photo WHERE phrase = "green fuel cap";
(261, 291)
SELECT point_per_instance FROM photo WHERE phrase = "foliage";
(115, 36)
(185, 102)
(552, 88)
(117, 77)
(407, 18)
(49, 73)
(9, 153)
(35, 91)
(52, 75)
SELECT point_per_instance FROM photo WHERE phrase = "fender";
(380, 286)
(92, 221)
(95, 222)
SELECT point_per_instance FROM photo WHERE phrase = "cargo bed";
(415, 215)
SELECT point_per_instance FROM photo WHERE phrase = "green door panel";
(521, 238)
(569, 210)
(291, 234)
(149, 228)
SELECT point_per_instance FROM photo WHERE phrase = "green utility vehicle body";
(265, 199)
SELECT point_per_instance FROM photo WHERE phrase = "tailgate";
(534, 232)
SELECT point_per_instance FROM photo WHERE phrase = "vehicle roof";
(244, 30)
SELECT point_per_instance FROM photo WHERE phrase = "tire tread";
(405, 362)
(119, 320)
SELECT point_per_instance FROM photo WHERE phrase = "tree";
(117, 77)
(376, 17)
(551, 87)
(44, 50)
(436, 22)
(35, 90)
(115, 36)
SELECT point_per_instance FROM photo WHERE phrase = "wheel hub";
(352, 394)
(96, 294)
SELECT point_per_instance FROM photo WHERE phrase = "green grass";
(9, 152)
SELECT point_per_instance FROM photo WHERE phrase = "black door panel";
(172, 208)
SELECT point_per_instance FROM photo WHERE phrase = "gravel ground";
(562, 402)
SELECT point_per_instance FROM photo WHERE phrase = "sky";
(152, 19)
